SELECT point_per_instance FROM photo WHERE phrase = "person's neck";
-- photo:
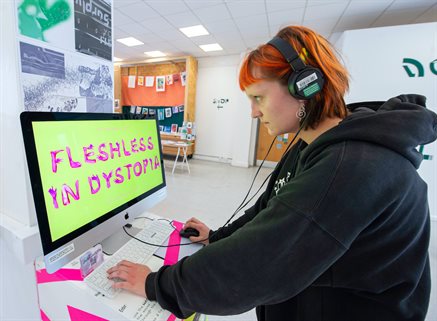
(310, 134)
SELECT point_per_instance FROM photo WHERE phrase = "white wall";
(18, 297)
(222, 134)
(374, 58)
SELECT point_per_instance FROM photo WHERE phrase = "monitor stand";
(113, 243)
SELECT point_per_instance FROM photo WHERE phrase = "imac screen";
(86, 168)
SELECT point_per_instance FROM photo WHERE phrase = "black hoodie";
(341, 232)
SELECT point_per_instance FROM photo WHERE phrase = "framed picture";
(161, 128)
(145, 111)
(167, 112)
(174, 128)
(160, 83)
(138, 110)
(152, 111)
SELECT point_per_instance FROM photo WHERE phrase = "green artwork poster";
(47, 20)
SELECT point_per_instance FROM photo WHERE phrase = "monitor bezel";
(27, 118)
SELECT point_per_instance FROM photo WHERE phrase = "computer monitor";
(91, 174)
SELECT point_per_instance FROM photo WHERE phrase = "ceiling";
(238, 25)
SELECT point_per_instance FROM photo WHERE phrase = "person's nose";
(256, 113)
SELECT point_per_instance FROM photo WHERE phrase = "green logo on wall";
(414, 68)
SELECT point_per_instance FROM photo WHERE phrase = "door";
(279, 146)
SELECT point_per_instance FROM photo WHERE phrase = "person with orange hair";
(341, 232)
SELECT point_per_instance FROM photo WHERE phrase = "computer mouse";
(189, 231)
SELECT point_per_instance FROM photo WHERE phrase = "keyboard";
(156, 233)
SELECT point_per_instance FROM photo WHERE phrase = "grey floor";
(211, 193)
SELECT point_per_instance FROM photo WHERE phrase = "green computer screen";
(90, 167)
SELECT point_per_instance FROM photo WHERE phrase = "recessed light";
(117, 59)
(153, 60)
(211, 47)
(155, 53)
(130, 41)
(194, 31)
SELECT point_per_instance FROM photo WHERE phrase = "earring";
(301, 112)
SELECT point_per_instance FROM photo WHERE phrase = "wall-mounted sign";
(220, 102)
(414, 68)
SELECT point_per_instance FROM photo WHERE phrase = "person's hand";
(130, 276)
(201, 227)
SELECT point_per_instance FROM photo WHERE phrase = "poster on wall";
(92, 24)
(169, 79)
(160, 83)
(149, 81)
(48, 21)
(160, 114)
(131, 82)
(54, 81)
(183, 78)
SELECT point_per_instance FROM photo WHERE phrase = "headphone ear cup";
(306, 83)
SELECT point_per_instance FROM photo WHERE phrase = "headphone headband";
(288, 52)
(305, 81)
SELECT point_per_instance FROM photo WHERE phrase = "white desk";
(64, 296)
(181, 146)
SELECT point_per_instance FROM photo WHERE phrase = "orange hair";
(317, 52)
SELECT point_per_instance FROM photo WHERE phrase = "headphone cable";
(242, 204)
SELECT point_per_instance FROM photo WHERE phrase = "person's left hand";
(133, 277)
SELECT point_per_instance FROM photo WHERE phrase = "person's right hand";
(201, 227)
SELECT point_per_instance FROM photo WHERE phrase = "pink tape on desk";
(172, 317)
(172, 253)
(44, 317)
(79, 315)
(61, 275)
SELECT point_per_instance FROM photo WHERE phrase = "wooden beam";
(190, 90)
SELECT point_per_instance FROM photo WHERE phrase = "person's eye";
(257, 98)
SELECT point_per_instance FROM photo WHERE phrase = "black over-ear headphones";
(304, 81)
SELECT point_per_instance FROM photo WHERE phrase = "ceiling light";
(117, 59)
(153, 60)
(130, 41)
(194, 31)
(155, 53)
(211, 47)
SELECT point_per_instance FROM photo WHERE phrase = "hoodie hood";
(401, 124)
